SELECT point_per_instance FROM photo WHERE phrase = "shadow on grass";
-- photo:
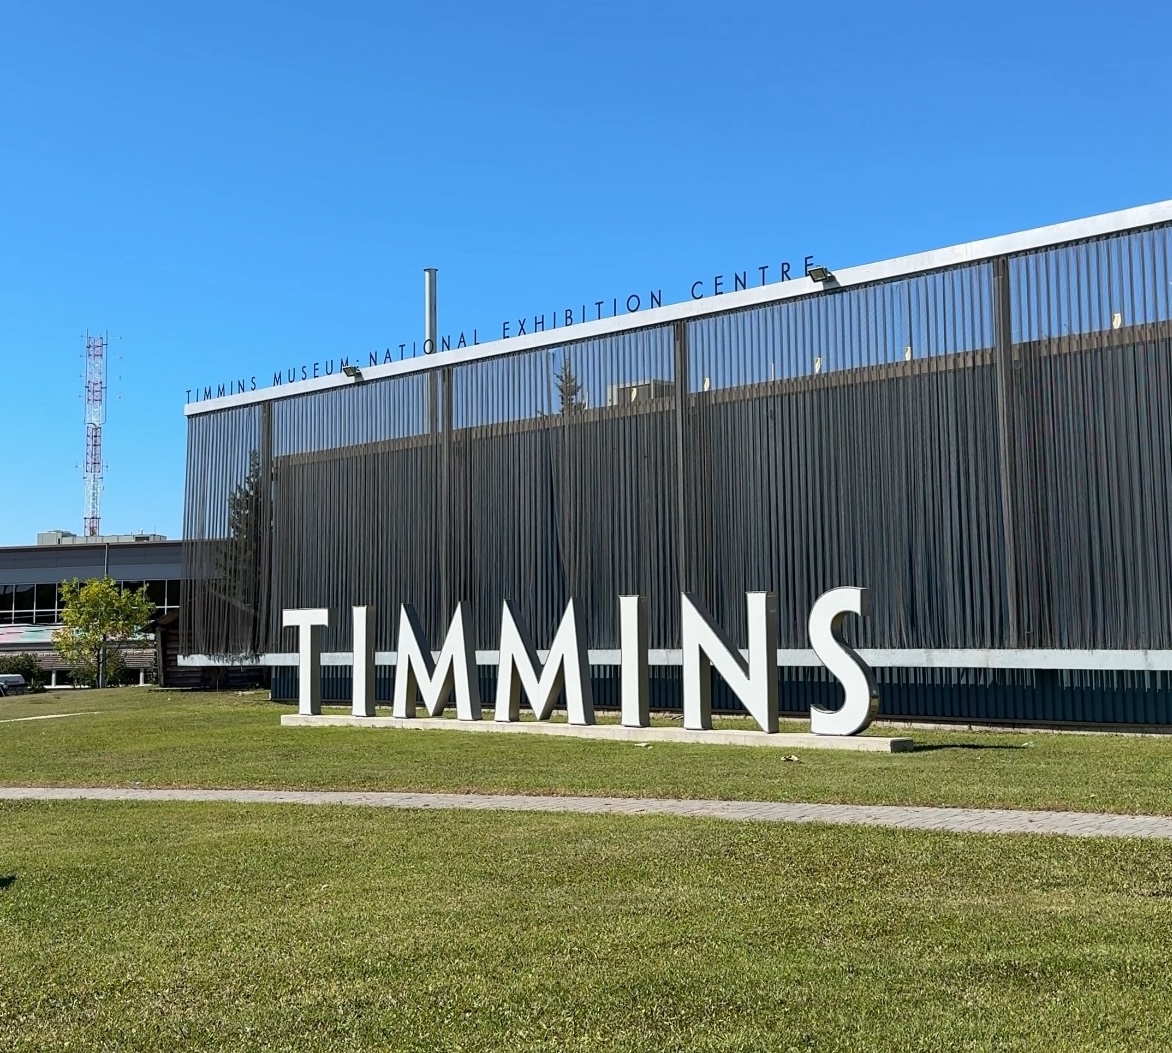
(928, 747)
(8, 879)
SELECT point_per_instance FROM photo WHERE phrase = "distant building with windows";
(31, 577)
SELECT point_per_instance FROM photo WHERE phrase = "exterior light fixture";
(353, 372)
(819, 274)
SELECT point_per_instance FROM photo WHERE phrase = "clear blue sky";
(227, 188)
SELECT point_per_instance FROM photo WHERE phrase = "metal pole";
(684, 537)
(262, 626)
(429, 311)
(430, 346)
(447, 527)
(1003, 321)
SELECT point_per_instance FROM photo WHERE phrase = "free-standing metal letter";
(565, 666)
(309, 621)
(861, 694)
(753, 681)
(418, 675)
(634, 677)
(362, 682)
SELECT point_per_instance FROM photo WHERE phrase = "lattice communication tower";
(95, 417)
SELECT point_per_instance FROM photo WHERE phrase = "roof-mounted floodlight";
(353, 372)
(819, 274)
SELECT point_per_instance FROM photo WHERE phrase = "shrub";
(25, 665)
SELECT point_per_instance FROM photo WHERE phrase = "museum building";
(980, 435)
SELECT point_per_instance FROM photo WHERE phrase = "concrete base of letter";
(612, 732)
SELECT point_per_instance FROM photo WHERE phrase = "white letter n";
(753, 681)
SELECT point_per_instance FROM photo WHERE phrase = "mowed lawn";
(143, 926)
(152, 738)
(134, 926)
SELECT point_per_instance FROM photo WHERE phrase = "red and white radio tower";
(95, 417)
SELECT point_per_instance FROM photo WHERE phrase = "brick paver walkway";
(958, 820)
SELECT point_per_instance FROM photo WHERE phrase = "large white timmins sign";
(440, 678)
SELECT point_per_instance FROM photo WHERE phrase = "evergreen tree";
(569, 388)
(239, 557)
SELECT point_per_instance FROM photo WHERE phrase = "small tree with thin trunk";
(99, 622)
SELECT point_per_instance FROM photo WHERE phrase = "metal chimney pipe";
(430, 347)
(430, 337)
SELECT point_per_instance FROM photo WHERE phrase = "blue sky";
(233, 188)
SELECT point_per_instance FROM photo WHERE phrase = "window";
(157, 591)
(46, 597)
(25, 598)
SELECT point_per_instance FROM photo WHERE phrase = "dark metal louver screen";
(987, 447)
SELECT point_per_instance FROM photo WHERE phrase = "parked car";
(12, 684)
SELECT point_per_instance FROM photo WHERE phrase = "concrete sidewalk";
(955, 820)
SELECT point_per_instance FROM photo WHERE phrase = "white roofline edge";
(902, 266)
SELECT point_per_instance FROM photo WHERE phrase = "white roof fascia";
(903, 266)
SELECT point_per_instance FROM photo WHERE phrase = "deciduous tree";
(99, 622)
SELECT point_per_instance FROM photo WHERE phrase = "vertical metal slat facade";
(987, 446)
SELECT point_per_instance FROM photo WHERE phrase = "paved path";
(959, 820)
(50, 716)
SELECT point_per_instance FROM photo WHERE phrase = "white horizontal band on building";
(886, 658)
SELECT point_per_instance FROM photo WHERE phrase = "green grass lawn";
(214, 927)
(150, 738)
(218, 927)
